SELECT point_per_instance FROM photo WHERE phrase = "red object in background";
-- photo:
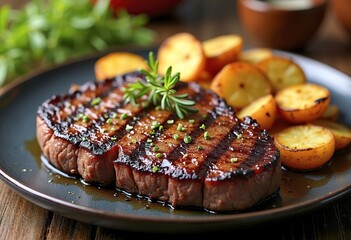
(152, 8)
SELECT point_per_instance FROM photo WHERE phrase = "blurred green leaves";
(46, 32)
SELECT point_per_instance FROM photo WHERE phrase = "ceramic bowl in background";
(282, 24)
(342, 9)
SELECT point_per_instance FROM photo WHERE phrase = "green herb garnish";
(85, 118)
(160, 90)
(45, 32)
(206, 135)
(155, 124)
(170, 121)
(176, 136)
(95, 101)
(124, 116)
(187, 139)
(180, 127)
(129, 127)
(154, 169)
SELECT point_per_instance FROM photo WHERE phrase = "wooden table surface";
(21, 219)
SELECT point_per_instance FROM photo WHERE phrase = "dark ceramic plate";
(22, 169)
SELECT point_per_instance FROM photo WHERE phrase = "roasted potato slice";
(342, 133)
(185, 54)
(303, 102)
(117, 63)
(282, 72)
(263, 109)
(255, 55)
(240, 83)
(221, 50)
(331, 113)
(305, 147)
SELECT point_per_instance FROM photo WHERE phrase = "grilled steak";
(210, 160)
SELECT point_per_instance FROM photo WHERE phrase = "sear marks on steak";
(92, 133)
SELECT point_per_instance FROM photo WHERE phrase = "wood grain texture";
(21, 219)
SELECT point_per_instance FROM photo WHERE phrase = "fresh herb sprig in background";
(160, 90)
(46, 32)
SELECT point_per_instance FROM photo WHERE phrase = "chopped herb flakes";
(129, 127)
(85, 118)
(176, 136)
(155, 125)
(206, 135)
(154, 169)
(203, 127)
(124, 116)
(181, 128)
(233, 160)
(95, 101)
(187, 139)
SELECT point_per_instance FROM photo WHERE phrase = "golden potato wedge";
(117, 63)
(240, 83)
(302, 103)
(263, 109)
(342, 133)
(185, 54)
(282, 72)
(305, 147)
(331, 113)
(255, 55)
(221, 50)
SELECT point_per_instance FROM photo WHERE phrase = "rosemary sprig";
(159, 90)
